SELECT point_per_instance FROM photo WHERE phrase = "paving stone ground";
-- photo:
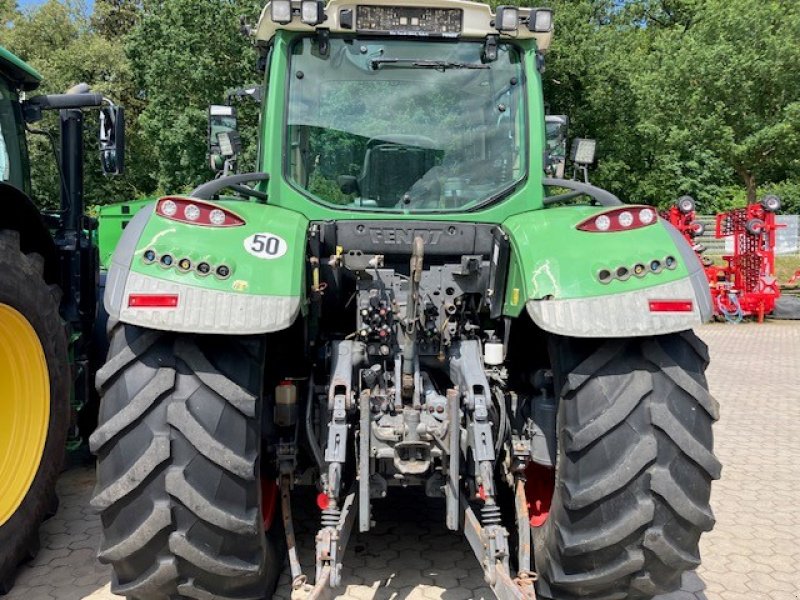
(752, 554)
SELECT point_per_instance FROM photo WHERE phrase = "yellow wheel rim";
(24, 408)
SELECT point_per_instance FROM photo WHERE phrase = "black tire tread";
(181, 419)
(171, 527)
(634, 470)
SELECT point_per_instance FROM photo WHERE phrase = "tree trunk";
(750, 184)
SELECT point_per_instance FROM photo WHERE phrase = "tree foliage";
(684, 96)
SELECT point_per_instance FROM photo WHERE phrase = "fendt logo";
(402, 236)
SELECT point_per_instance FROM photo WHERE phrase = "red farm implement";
(682, 215)
(746, 284)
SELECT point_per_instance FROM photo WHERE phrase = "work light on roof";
(541, 20)
(583, 151)
(506, 18)
(312, 12)
(281, 11)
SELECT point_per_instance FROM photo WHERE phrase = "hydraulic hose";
(503, 425)
(731, 316)
(310, 435)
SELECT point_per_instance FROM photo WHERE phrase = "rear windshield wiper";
(416, 63)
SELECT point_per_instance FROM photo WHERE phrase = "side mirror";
(348, 184)
(112, 139)
(224, 142)
(556, 131)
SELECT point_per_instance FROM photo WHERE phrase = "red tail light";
(671, 306)
(152, 300)
(621, 219)
(196, 212)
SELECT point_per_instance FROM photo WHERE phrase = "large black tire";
(178, 470)
(634, 470)
(23, 288)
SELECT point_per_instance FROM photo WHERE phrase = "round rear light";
(169, 208)
(603, 223)
(217, 217)
(625, 219)
(191, 212)
(647, 216)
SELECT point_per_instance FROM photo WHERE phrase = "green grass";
(785, 268)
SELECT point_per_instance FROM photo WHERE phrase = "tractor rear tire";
(178, 449)
(634, 468)
(34, 402)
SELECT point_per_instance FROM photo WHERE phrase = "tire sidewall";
(24, 290)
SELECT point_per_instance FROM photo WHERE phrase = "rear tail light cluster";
(623, 273)
(196, 212)
(620, 219)
(185, 264)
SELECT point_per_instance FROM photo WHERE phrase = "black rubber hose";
(312, 438)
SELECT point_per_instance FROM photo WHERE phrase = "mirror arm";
(33, 107)
(603, 197)
(246, 191)
(210, 189)
(562, 197)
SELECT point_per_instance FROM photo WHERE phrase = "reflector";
(153, 300)
(671, 306)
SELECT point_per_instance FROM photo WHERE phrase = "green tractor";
(48, 279)
(401, 297)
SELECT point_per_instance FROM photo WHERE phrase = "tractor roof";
(345, 16)
(20, 72)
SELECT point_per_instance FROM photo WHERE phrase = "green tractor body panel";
(112, 219)
(240, 279)
(600, 282)
(251, 272)
(562, 262)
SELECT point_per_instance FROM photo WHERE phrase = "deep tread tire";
(22, 287)
(634, 470)
(178, 446)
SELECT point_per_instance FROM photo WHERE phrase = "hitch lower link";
(331, 544)
(490, 545)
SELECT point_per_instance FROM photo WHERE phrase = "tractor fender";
(235, 280)
(20, 214)
(638, 282)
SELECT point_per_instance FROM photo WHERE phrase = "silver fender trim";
(627, 314)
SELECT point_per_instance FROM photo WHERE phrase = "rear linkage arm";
(487, 536)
